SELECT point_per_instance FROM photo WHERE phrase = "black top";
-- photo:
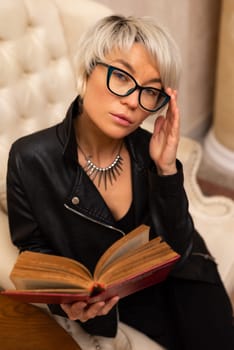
(126, 223)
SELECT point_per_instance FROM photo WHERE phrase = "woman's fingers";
(83, 311)
(108, 306)
(159, 122)
(173, 111)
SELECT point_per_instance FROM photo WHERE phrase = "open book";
(132, 263)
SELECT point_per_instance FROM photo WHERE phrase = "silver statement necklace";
(106, 174)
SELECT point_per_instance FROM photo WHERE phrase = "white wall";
(194, 25)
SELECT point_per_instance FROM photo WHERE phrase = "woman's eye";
(120, 76)
(152, 92)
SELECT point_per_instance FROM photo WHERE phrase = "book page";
(151, 255)
(38, 270)
(124, 245)
(28, 279)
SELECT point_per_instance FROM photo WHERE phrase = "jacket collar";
(66, 132)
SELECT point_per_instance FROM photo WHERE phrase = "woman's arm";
(169, 210)
(168, 199)
(25, 233)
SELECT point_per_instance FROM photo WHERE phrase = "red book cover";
(122, 289)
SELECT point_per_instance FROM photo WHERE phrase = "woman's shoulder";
(38, 142)
(140, 138)
(36, 138)
(138, 143)
(141, 134)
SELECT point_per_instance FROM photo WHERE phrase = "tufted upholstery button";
(30, 23)
(26, 71)
(75, 200)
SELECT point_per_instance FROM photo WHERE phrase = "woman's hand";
(165, 138)
(83, 311)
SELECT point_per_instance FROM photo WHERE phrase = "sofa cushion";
(37, 81)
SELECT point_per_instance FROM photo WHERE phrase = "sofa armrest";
(8, 253)
(213, 216)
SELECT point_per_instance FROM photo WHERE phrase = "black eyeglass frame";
(137, 86)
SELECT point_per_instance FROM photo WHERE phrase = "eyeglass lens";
(123, 84)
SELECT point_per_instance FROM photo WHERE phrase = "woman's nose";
(132, 99)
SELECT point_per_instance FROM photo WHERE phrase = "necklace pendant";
(105, 175)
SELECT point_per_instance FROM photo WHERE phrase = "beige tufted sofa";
(37, 83)
(37, 80)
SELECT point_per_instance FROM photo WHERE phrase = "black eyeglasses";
(121, 83)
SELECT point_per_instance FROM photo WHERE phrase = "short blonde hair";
(120, 32)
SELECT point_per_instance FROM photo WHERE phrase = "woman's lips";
(121, 119)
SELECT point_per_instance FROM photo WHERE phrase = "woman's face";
(113, 115)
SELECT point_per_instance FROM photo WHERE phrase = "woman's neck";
(95, 144)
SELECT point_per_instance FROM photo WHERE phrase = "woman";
(77, 187)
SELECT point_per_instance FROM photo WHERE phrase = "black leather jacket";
(54, 207)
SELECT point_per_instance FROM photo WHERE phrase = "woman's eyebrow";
(132, 70)
(126, 65)
(155, 80)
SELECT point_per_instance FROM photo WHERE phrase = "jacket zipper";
(93, 220)
(102, 224)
